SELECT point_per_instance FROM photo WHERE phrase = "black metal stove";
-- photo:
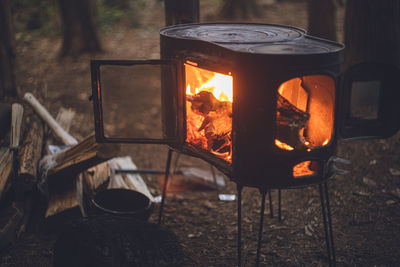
(263, 103)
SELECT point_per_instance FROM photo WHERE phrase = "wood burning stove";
(263, 103)
(256, 101)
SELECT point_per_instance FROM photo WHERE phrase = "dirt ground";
(365, 203)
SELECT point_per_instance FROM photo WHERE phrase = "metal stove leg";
(279, 206)
(271, 208)
(239, 223)
(164, 192)
(260, 229)
(214, 175)
(328, 208)
(327, 226)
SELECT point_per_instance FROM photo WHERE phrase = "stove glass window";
(305, 112)
(131, 101)
(364, 99)
(209, 110)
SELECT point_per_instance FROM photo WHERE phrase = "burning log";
(290, 121)
(217, 120)
(205, 102)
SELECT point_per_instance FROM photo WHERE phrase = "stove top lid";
(254, 38)
(234, 33)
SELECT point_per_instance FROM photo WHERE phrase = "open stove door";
(371, 101)
(127, 100)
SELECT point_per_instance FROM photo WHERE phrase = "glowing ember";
(305, 168)
(209, 111)
(283, 145)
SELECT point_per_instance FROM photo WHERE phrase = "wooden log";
(290, 120)
(103, 176)
(67, 200)
(96, 178)
(30, 152)
(17, 111)
(64, 118)
(71, 161)
(5, 171)
(45, 115)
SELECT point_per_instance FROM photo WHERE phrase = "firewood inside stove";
(290, 120)
(217, 122)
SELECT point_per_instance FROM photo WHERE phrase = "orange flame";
(283, 145)
(220, 86)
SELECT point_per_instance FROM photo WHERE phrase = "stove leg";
(279, 206)
(328, 207)
(260, 229)
(164, 192)
(271, 208)
(239, 223)
(327, 219)
(214, 175)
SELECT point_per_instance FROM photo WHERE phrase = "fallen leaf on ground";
(394, 172)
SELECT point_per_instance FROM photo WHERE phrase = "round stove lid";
(231, 33)
(290, 48)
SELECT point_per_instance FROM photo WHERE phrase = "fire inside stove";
(209, 110)
(305, 115)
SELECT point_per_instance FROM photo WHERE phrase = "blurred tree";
(181, 11)
(7, 51)
(322, 18)
(372, 31)
(242, 9)
(117, 3)
(79, 30)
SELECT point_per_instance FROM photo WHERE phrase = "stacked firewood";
(21, 139)
(67, 179)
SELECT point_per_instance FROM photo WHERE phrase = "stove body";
(259, 59)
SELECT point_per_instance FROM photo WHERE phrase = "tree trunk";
(79, 31)
(372, 31)
(7, 51)
(322, 18)
(181, 11)
(239, 9)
